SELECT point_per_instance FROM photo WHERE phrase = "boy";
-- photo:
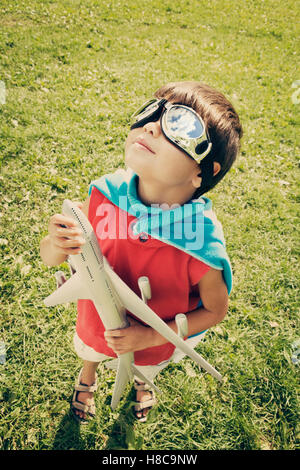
(180, 145)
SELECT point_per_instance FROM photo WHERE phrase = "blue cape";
(192, 227)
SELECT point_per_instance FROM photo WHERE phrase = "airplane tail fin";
(125, 374)
(121, 381)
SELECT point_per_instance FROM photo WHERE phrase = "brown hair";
(221, 120)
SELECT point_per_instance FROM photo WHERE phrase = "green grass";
(74, 72)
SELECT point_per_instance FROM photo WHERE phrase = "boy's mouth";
(141, 142)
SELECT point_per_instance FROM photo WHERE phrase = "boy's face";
(154, 159)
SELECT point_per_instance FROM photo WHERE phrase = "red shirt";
(173, 276)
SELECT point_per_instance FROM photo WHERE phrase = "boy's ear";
(217, 168)
(197, 179)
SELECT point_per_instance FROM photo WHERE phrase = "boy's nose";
(153, 128)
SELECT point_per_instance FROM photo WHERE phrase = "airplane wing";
(135, 305)
(72, 290)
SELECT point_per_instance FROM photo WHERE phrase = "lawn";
(71, 74)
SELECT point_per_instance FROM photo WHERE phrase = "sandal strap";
(78, 405)
(86, 388)
(80, 387)
(141, 405)
(141, 386)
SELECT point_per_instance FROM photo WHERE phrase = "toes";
(79, 414)
(142, 396)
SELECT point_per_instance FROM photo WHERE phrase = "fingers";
(65, 234)
(58, 220)
(116, 346)
(115, 341)
(130, 339)
(68, 246)
(115, 333)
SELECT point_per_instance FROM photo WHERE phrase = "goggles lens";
(183, 122)
(180, 124)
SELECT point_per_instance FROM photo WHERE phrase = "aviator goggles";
(181, 126)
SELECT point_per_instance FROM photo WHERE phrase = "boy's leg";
(87, 377)
(91, 360)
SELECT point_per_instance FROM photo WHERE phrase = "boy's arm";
(214, 296)
(60, 242)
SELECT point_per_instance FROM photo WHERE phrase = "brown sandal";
(89, 410)
(141, 405)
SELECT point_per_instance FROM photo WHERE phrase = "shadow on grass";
(121, 434)
(68, 435)
(71, 435)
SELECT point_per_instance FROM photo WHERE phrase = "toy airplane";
(94, 279)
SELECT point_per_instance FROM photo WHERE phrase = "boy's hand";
(134, 338)
(65, 235)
